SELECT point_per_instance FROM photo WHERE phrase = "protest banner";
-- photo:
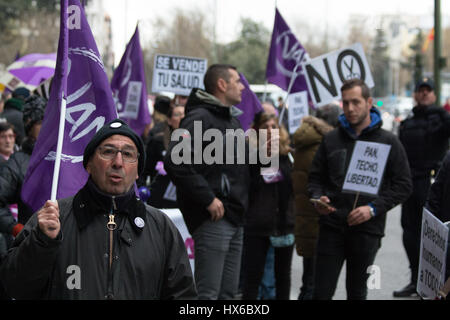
(433, 254)
(285, 61)
(177, 218)
(249, 105)
(326, 73)
(129, 87)
(82, 100)
(286, 54)
(366, 168)
(178, 74)
(297, 109)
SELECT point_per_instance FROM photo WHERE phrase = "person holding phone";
(351, 230)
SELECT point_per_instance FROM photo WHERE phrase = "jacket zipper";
(111, 226)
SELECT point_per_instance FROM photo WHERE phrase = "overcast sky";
(125, 13)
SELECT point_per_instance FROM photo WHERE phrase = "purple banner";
(250, 105)
(286, 53)
(81, 81)
(129, 87)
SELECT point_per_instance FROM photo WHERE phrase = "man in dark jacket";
(351, 231)
(425, 137)
(102, 243)
(212, 195)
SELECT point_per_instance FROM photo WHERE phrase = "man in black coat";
(102, 243)
(351, 230)
(424, 134)
(212, 195)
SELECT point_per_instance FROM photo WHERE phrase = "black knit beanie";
(116, 126)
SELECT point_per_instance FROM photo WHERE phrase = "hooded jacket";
(149, 259)
(330, 165)
(199, 182)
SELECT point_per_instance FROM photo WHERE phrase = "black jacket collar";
(90, 201)
(195, 100)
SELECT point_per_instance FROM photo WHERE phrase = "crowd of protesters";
(237, 213)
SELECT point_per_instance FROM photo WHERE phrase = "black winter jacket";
(438, 201)
(330, 165)
(425, 139)
(12, 174)
(271, 205)
(198, 184)
(149, 262)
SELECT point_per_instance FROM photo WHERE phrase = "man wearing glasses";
(102, 243)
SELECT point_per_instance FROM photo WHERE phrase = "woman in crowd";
(270, 217)
(162, 190)
(307, 139)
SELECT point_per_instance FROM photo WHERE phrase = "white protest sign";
(365, 172)
(133, 100)
(178, 74)
(433, 253)
(177, 218)
(326, 73)
(298, 108)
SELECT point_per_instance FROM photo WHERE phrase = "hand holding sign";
(359, 215)
(366, 169)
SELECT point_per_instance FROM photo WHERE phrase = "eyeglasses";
(110, 153)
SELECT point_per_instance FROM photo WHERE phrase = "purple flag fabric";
(285, 54)
(249, 104)
(29, 71)
(129, 87)
(81, 81)
(34, 68)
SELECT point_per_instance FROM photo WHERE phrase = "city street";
(391, 260)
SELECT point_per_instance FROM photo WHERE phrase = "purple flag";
(129, 87)
(81, 81)
(285, 54)
(249, 104)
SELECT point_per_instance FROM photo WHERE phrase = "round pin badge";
(115, 125)
(139, 222)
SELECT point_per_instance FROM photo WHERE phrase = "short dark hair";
(350, 84)
(329, 113)
(214, 73)
(5, 126)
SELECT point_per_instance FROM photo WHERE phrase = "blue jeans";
(267, 286)
(218, 250)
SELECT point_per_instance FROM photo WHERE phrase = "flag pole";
(291, 83)
(265, 92)
(62, 121)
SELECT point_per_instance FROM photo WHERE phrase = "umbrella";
(29, 71)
